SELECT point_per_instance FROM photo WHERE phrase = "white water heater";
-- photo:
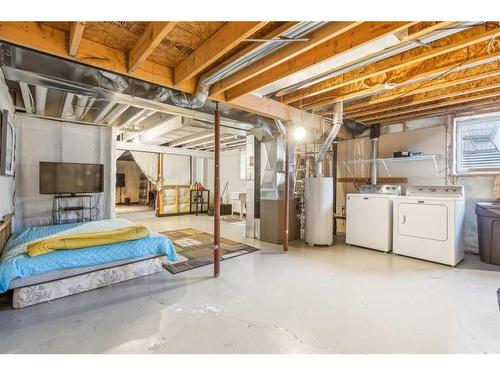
(319, 211)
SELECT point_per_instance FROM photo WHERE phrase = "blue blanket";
(23, 265)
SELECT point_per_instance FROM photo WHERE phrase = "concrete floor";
(313, 300)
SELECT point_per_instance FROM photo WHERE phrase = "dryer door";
(423, 220)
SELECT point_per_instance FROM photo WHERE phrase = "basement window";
(477, 144)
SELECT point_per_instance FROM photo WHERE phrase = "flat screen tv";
(71, 178)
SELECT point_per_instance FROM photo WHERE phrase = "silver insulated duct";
(338, 118)
(199, 98)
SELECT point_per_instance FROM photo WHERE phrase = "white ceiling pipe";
(81, 102)
(27, 97)
(40, 99)
(67, 110)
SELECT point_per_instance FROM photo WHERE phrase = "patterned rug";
(195, 249)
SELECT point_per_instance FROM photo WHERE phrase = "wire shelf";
(386, 161)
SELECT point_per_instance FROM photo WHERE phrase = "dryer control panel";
(435, 191)
(380, 189)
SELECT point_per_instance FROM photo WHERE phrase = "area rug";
(232, 219)
(196, 249)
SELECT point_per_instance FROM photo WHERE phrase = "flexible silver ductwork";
(338, 118)
(181, 99)
(200, 96)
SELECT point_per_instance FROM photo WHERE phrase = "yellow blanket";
(80, 240)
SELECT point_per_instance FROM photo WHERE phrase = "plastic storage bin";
(488, 228)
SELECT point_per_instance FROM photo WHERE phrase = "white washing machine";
(428, 224)
(369, 216)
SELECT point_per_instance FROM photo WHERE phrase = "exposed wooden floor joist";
(355, 37)
(319, 94)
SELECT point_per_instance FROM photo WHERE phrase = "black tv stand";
(72, 208)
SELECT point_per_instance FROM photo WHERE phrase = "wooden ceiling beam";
(249, 48)
(433, 105)
(154, 33)
(53, 41)
(287, 52)
(75, 36)
(463, 89)
(467, 38)
(491, 104)
(487, 70)
(423, 29)
(265, 106)
(224, 40)
(50, 40)
(355, 37)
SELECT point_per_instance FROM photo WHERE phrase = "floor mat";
(232, 219)
(195, 249)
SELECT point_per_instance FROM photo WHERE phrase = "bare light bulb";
(299, 133)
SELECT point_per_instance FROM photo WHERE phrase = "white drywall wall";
(176, 169)
(6, 183)
(47, 140)
(230, 174)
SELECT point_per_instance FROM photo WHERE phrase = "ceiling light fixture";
(299, 133)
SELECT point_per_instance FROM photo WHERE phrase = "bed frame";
(57, 284)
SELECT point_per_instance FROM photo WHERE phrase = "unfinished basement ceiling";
(384, 72)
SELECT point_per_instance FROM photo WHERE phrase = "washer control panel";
(380, 189)
(436, 191)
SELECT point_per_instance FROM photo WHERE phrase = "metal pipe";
(373, 165)
(374, 135)
(334, 175)
(199, 97)
(217, 191)
(40, 99)
(159, 168)
(286, 198)
(81, 104)
(338, 115)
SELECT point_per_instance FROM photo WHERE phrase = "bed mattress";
(22, 266)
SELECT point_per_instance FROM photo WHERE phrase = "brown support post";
(217, 192)
(287, 193)
(158, 179)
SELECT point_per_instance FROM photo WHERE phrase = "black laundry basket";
(488, 230)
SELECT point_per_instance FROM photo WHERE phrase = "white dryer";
(428, 223)
(369, 216)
